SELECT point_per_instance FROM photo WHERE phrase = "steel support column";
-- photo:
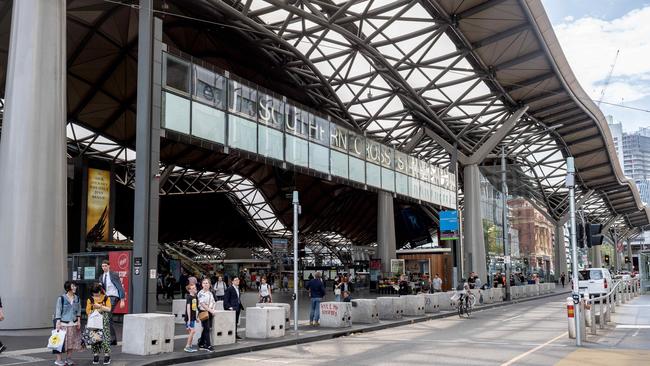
(473, 223)
(559, 252)
(386, 246)
(597, 256)
(145, 238)
(33, 170)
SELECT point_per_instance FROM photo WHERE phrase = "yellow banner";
(98, 205)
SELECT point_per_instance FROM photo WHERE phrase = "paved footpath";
(27, 347)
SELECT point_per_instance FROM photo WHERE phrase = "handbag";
(204, 315)
(56, 340)
(95, 320)
(91, 337)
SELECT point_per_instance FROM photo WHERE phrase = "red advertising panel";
(121, 264)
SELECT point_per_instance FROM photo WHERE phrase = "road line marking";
(512, 361)
(514, 317)
(632, 326)
(636, 333)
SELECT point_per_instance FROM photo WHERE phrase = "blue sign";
(449, 220)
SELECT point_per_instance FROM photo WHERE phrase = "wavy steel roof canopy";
(429, 77)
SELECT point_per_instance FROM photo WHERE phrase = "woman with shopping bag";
(98, 308)
(67, 324)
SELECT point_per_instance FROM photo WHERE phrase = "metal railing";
(622, 291)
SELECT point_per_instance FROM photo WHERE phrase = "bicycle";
(465, 306)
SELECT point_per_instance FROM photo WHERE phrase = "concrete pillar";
(598, 258)
(473, 230)
(630, 266)
(559, 252)
(385, 230)
(33, 166)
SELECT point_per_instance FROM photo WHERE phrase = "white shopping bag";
(56, 341)
(95, 320)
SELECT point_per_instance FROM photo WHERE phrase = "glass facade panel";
(271, 142)
(319, 158)
(177, 74)
(271, 111)
(357, 145)
(319, 130)
(401, 184)
(242, 100)
(339, 164)
(298, 122)
(177, 113)
(373, 175)
(339, 138)
(297, 151)
(357, 170)
(401, 162)
(208, 123)
(414, 188)
(242, 133)
(373, 151)
(387, 179)
(209, 87)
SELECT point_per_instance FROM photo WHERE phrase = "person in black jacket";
(231, 301)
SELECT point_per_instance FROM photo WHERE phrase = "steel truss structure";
(447, 81)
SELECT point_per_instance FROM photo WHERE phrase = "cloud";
(590, 45)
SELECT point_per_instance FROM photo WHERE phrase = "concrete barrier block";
(390, 308)
(223, 329)
(488, 296)
(534, 290)
(364, 311)
(287, 311)
(178, 310)
(444, 300)
(219, 305)
(516, 292)
(414, 305)
(263, 323)
(498, 294)
(148, 334)
(335, 314)
(431, 303)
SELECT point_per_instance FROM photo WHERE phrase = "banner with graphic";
(98, 205)
(121, 264)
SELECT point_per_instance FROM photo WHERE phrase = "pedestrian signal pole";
(570, 182)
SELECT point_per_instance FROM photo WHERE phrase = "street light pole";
(570, 182)
(296, 208)
(506, 242)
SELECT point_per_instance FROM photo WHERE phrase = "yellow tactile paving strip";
(600, 357)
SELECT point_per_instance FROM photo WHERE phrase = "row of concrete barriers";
(147, 334)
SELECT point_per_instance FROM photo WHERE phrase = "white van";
(595, 281)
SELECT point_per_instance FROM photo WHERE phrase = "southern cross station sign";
(213, 105)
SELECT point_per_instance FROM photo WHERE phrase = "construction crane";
(609, 77)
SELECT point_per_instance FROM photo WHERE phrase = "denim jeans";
(314, 312)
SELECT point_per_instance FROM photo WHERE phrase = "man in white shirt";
(115, 292)
(437, 283)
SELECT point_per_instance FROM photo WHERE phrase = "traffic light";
(607, 258)
(580, 235)
(627, 259)
(594, 237)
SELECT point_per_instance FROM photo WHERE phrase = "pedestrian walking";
(436, 283)
(316, 289)
(100, 302)
(232, 301)
(337, 289)
(67, 316)
(562, 279)
(170, 286)
(2, 317)
(115, 292)
(265, 291)
(285, 283)
(207, 306)
(191, 311)
(220, 288)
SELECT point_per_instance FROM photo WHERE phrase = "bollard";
(592, 317)
(570, 309)
(601, 317)
(612, 299)
(618, 294)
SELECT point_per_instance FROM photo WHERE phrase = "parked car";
(595, 281)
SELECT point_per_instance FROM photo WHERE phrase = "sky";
(591, 32)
